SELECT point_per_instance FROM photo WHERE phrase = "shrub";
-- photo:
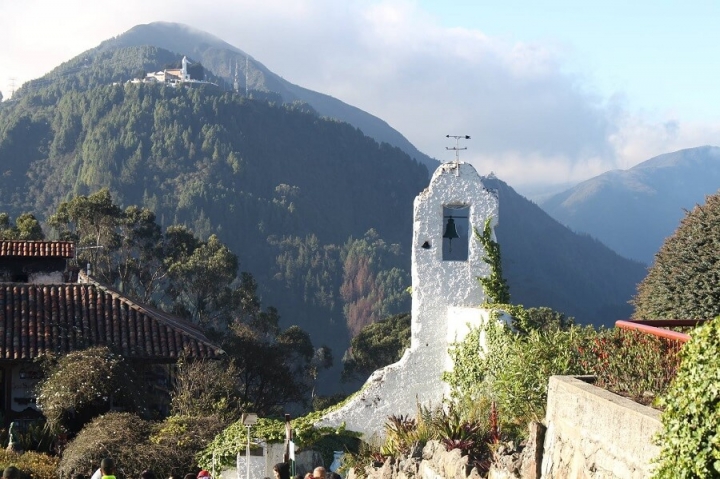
(32, 465)
(631, 363)
(690, 437)
(205, 388)
(83, 384)
(515, 366)
(178, 439)
(122, 436)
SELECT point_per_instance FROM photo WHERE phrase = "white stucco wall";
(445, 304)
(46, 278)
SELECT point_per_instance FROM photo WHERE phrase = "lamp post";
(248, 419)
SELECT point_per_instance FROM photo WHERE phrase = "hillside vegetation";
(319, 213)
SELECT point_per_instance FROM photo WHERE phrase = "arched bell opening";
(456, 229)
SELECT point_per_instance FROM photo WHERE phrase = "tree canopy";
(683, 281)
(199, 280)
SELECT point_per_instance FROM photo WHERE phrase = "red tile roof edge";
(172, 321)
(61, 249)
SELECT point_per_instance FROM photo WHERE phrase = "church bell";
(450, 231)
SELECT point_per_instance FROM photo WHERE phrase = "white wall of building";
(446, 296)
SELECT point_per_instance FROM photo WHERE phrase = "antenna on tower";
(12, 86)
(236, 83)
(247, 62)
(457, 149)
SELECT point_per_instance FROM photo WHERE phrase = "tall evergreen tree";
(684, 281)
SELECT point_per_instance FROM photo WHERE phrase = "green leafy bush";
(178, 439)
(690, 438)
(515, 366)
(222, 451)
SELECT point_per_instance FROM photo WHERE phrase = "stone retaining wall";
(592, 433)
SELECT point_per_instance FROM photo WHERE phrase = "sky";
(551, 93)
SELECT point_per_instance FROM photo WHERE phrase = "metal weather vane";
(457, 148)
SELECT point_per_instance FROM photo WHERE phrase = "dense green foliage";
(494, 285)
(683, 281)
(26, 227)
(288, 192)
(222, 451)
(631, 363)
(512, 367)
(377, 345)
(205, 388)
(690, 438)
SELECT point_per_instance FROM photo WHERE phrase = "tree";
(683, 281)
(206, 388)
(91, 221)
(139, 269)
(377, 345)
(199, 280)
(267, 378)
(373, 287)
(27, 227)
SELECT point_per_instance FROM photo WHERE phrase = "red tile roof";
(59, 318)
(44, 249)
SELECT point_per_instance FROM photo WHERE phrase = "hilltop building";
(172, 76)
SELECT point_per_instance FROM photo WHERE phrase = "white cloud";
(530, 120)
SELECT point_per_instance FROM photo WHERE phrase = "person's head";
(147, 474)
(107, 467)
(319, 472)
(11, 472)
(308, 475)
(282, 470)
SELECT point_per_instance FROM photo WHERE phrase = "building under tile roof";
(38, 249)
(37, 318)
(58, 318)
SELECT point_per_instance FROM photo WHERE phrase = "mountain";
(319, 213)
(224, 60)
(546, 264)
(633, 211)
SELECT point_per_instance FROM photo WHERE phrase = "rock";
(531, 456)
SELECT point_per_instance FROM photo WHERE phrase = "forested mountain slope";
(318, 212)
(292, 194)
(224, 63)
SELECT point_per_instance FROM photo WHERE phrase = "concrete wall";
(592, 433)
